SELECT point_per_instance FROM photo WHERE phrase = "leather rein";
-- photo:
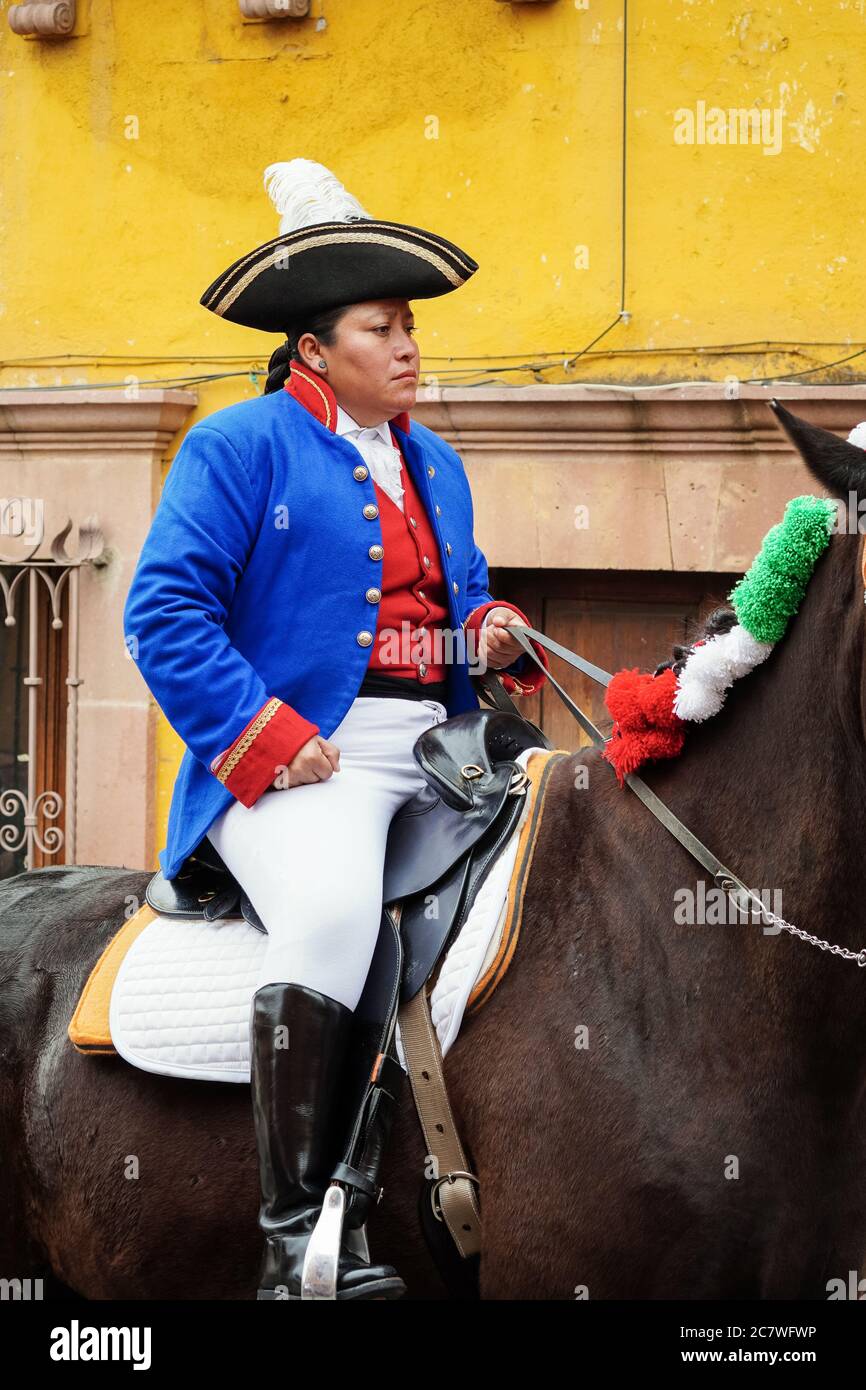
(723, 877)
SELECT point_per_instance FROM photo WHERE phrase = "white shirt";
(376, 447)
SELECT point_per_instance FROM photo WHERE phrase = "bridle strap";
(495, 693)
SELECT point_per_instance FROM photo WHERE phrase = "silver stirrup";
(319, 1277)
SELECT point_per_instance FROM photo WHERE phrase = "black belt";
(402, 687)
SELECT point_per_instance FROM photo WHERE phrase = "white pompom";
(304, 192)
(858, 435)
(711, 670)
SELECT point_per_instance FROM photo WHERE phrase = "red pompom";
(645, 725)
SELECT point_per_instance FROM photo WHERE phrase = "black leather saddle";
(202, 887)
(442, 844)
(469, 763)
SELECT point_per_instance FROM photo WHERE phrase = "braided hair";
(322, 325)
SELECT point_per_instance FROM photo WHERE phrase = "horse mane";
(720, 620)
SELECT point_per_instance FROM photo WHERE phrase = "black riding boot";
(298, 1042)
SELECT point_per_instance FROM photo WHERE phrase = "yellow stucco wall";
(131, 159)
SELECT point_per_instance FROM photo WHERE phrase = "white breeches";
(311, 857)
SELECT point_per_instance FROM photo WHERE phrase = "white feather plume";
(304, 193)
(711, 669)
(858, 435)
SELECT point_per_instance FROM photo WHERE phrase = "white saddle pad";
(181, 1002)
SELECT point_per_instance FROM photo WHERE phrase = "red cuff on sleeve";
(525, 682)
(268, 742)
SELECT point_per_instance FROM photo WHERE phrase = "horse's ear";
(840, 467)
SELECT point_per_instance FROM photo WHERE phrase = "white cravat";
(376, 447)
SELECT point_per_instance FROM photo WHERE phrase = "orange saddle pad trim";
(88, 1029)
(539, 767)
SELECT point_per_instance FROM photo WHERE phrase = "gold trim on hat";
(300, 233)
(304, 242)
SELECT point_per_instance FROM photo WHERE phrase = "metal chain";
(859, 956)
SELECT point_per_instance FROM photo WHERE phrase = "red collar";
(315, 394)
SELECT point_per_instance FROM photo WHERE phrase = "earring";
(323, 365)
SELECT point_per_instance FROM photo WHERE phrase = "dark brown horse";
(708, 1141)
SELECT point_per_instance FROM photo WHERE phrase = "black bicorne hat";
(330, 253)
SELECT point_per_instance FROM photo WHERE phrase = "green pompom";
(772, 589)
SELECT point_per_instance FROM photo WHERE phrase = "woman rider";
(301, 612)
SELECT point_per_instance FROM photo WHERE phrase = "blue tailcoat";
(252, 581)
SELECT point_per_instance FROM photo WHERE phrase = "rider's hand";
(315, 762)
(496, 645)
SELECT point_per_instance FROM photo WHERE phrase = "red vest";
(413, 590)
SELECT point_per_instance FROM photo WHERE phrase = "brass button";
(456, 587)
(430, 470)
(426, 559)
(422, 669)
(360, 473)
(373, 595)
(448, 547)
(371, 511)
(376, 552)
(420, 593)
(364, 638)
(438, 510)
(413, 521)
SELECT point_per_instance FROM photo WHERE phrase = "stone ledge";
(621, 420)
(92, 421)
